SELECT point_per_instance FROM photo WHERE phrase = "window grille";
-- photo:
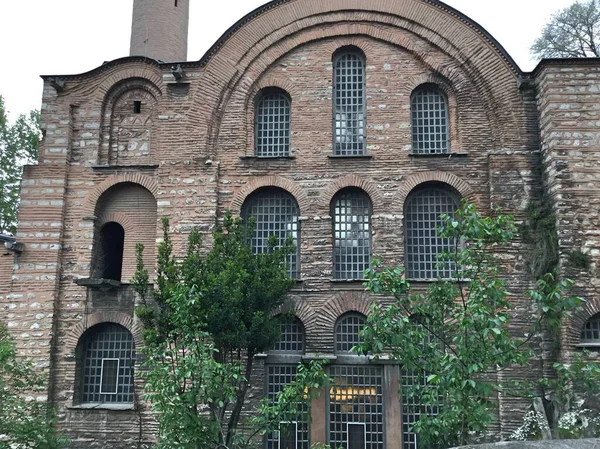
(292, 336)
(429, 121)
(278, 376)
(356, 400)
(591, 332)
(349, 104)
(108, 360)
(272, 130)
(422, 214)
(276, 213)
(351, 235)
(347, 332)
(412, 410)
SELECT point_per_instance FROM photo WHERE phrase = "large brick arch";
(89, 321)
(409, 184)
(283, 23)
(270, 181)
(347, 181)
(130, 177)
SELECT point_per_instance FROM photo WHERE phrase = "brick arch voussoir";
(266, 82)
(341, 42)
(572, 333)
(89, 321)
(270, 181)
(460, 185)
(128, 78)
(356, 181)
(118, 217)
(135, 178)
(341, 304)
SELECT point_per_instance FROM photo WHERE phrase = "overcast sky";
(57, 37)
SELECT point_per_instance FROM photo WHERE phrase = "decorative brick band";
(89, 321)
(353, 181)
(458, 184)
(269, 181)
(136, 178)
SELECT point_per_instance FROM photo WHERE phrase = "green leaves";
(19, 145)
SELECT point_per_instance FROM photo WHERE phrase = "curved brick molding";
(350, 181)
(409, 184)
(149, 183)
(269, 181)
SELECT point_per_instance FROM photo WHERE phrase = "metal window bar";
(351, 235)
(272, 130)
(430, 121)
(349, 104)
(422, 215)
(108, 342)
(412, 410)
(278, 376)
(590, 334)
(347, 332)
(292, 336)
(276, 213)
(356, 397)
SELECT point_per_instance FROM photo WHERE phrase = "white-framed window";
(349, 103)
(430, 124)
(287, 436)
(109, 376)
(357, 435)
(272, 124)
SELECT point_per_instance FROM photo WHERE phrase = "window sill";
(437, 155)
(103, 406)
(358, 156)
(590, 346)
(267, 158)
(134, 166)
(98, 283)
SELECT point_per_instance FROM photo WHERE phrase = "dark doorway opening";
(112, 242)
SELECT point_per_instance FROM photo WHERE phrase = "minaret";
(160, 29)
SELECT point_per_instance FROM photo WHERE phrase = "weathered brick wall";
(568, 98)
(6, 268)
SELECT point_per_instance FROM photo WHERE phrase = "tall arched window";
(590, 334)
(281, 368)
(422, 217)
(349, 103)
(356, 411)
(430, 130)
(276, 213)
(106, 361)
(351, 212)
(272, 124)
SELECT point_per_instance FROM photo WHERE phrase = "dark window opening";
(110, 257)
(137, 105)
(288, 433)
(175, 3)
(356, 436)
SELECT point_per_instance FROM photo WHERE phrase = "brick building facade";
(334, 121)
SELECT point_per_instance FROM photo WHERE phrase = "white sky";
(58, 37)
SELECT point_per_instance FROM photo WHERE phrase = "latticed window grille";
(430, 121)
(591, 332)
(272, 131)
(276, 213)
(422, 215)
(356, 407)
(292, 336)
(349, 104)
(347, 332)
(108, 361)
(412, 410)
(351, 234)
(294, 431)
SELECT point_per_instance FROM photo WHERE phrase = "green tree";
(456, 337)
(571, 33)
(24, 422)
(19, 145)
(206, 319)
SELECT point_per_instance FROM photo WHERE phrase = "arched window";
(422, 217)
(356, 408)
(292, 336)
(351, 212)
(109, 259)
(430, 130)
(590, 334)
(272, 124)
(106, 359)
(347, 332)
(349, 103)
(293, 433)
(276, 213)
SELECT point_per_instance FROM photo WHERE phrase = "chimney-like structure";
(160, 29)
